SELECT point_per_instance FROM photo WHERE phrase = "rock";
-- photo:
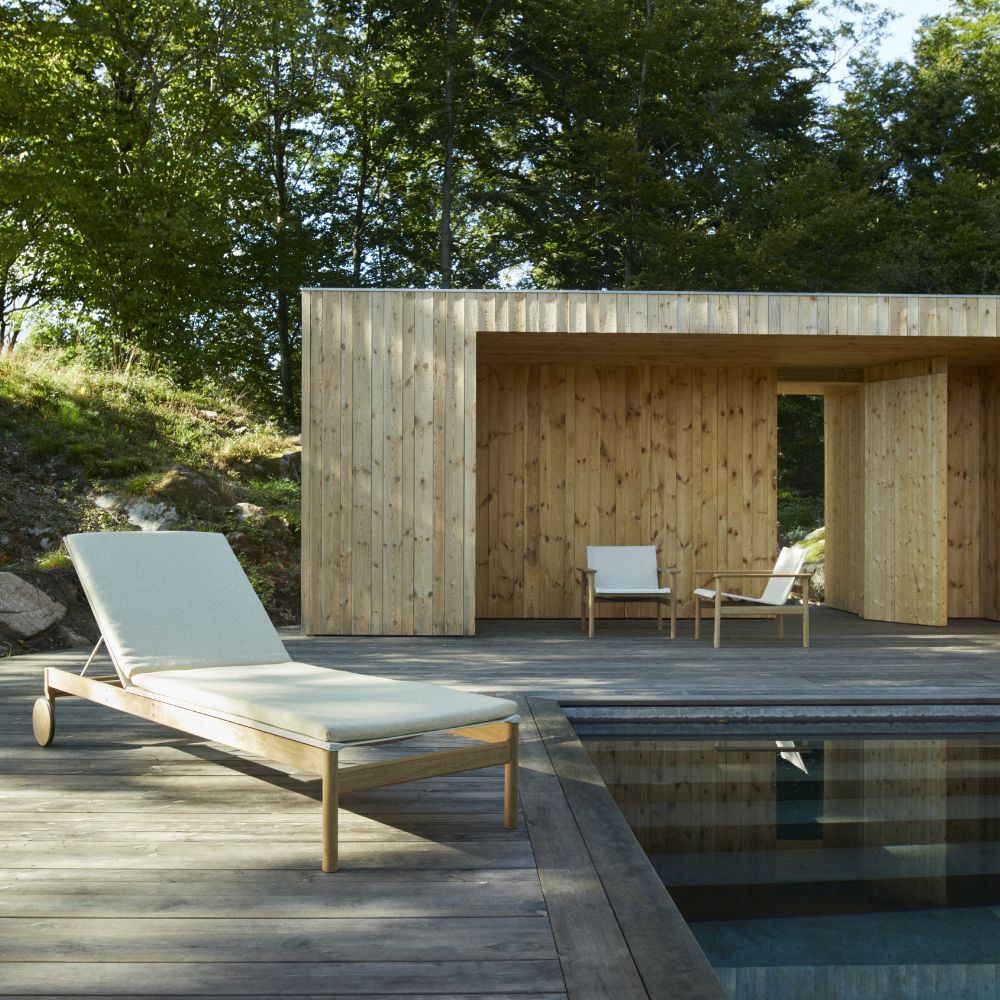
(288, 465)
(150, 515)
(145, 513)
(250, 512)
(25, 610)
(242, 544)
(190, 490)
(69, 638)
(815, 545)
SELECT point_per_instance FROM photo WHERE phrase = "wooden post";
(805, 612)
(510, 777)
(330, 810)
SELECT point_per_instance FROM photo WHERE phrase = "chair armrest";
(588, 577)
(719, 573)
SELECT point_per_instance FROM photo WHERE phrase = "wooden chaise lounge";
(193, 649)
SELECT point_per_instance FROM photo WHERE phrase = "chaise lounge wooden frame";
(740, 606)
(496, 742)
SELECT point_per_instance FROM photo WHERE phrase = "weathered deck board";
(123, 831)
(125, 838)
(849, 659)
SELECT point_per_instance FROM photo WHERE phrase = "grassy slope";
(68, 433)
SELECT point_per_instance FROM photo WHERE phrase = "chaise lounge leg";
(510, 778)
(717, 634)
(331, 806)
(697, 616)
(673, 613)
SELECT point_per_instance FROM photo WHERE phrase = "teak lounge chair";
(193, 649)
(625, 573)
(786, 571)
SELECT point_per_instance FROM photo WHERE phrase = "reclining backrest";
(171, 599)
(790, 560)
(623, 567)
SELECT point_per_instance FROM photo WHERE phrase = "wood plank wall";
(970, 524)
(388, 460)
(966, 487)
(570, 456)
(991, 494)
(844, 499)
(906, 544)
(390, 437)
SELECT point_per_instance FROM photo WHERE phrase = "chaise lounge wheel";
(43, 721)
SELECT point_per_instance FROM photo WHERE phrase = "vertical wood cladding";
(415, 518)
(570, 456)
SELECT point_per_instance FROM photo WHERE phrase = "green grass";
(112, 426)
(71, 431)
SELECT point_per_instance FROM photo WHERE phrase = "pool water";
(830, 868)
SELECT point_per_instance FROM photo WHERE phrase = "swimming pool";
(837, 867)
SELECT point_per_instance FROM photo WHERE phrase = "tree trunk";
(285, 359)
(448, 173)
(358, 228)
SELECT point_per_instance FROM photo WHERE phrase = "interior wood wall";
(971, 484)
(569, 456)
(906, 541)
(844, 499)
(991, 494)
(966, 492)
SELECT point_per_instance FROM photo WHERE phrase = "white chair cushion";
(710, 595)
(631, 590)
(624, 567)
(332, 706)
(790, 560)
(171, 599)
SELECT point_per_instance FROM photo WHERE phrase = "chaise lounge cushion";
(166, 600)
(333, 706)
(183, 624)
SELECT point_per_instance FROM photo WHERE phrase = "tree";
(133, 180)
(657, 124)
(928, 132)
(286, 55)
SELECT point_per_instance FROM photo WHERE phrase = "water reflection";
(814, 863)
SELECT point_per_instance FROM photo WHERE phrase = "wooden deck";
(140, 862)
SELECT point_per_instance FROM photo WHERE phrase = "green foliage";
(801, 467)
(797, 513)
(172, 172)
(112, 425)
(56, 559)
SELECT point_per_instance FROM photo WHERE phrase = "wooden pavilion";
(461, 448)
